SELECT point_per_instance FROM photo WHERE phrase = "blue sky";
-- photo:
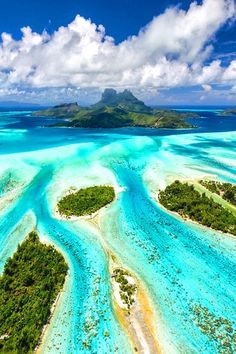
(180, 53)
(121, 18)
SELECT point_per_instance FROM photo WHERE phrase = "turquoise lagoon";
(179, 263)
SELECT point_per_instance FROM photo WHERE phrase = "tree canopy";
(226, 190)
(86, 201)
(31, 281)
(185, 200)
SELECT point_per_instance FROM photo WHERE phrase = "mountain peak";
(109, 94)
(67, 105)
(127, 94)
(125, 100)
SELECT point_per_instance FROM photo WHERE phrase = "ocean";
(179, 263)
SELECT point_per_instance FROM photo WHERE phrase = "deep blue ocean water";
(36, 137)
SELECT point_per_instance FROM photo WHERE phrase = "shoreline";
(138, 320)
(45, 329)
(9, 197)
(86, 217)
(195, 183)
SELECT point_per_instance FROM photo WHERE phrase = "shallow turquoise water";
(180, 263)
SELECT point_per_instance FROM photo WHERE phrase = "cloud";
(170, 51)
(207, 88)
(230, 73)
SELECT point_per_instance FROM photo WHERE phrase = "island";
(133, 308)
(30, 284)
(116, 110)
(228, 112)
(189, 203)
(126, 287)
(86, 201)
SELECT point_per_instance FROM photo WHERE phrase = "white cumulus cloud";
(171, 51)
(207, 88)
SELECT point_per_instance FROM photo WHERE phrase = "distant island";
(189, 203)
(229, 112)
(19, 105)
(116, 110)
(30, 284)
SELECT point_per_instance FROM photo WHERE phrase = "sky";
(166, 52)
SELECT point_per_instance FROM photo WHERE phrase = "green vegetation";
(60, 111)
(116, 110)
(170, 119)
(226, 190)
(218, 329)
(86, 201)
(185, 200)
(107, 117)
(127, 290)
(30, 283)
